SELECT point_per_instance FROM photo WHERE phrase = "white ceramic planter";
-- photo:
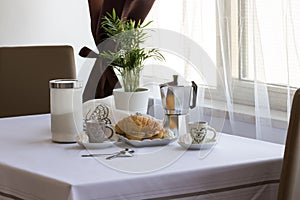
(131, 101)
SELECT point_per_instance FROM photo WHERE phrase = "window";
(260, 39)
(256, 40)
(267, 22)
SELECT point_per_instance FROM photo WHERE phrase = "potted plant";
(127, 59)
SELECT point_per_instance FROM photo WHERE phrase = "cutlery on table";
(123, 153)
(126, 153)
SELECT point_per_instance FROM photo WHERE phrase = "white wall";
(44, 22)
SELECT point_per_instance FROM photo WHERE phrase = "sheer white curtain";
(254, 47)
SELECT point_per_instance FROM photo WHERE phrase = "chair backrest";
(24, 77)
(289, 187)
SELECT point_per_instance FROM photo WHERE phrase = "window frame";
(245, 95)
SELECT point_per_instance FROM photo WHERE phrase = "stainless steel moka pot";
(176, 101)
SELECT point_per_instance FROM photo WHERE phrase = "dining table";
(34, 167)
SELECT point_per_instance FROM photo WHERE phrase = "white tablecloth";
(33, 167)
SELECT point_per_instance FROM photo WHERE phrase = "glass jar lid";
(65, 83)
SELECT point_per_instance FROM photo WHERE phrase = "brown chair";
(289, 187)
(24, 77)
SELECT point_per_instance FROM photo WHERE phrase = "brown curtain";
(130, 9)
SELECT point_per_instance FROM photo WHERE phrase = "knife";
(98, 154)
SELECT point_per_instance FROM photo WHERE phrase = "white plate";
(147, 143)
(205, 145)
(82, 140)
(185, 142)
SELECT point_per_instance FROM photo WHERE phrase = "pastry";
(139, 127)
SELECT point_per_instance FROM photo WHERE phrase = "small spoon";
(123, 153)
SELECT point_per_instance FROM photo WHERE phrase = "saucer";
(83, 140)
(185, 141)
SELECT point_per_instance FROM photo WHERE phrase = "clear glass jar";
(66, 109)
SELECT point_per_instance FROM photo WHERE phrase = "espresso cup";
(198, 131)
(98, 131)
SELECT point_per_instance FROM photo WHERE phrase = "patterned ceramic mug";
(98, 131)
(198, 131)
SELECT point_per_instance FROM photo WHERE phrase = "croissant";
(138, 127)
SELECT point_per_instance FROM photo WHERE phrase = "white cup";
(198, 131)
(98, 131)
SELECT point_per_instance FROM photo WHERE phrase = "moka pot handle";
(194, 93)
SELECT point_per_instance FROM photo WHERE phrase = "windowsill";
(241, 113)
(244, 113)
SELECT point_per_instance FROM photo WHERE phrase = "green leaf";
(129, 36)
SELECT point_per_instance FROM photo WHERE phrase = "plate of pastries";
(142, 131)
